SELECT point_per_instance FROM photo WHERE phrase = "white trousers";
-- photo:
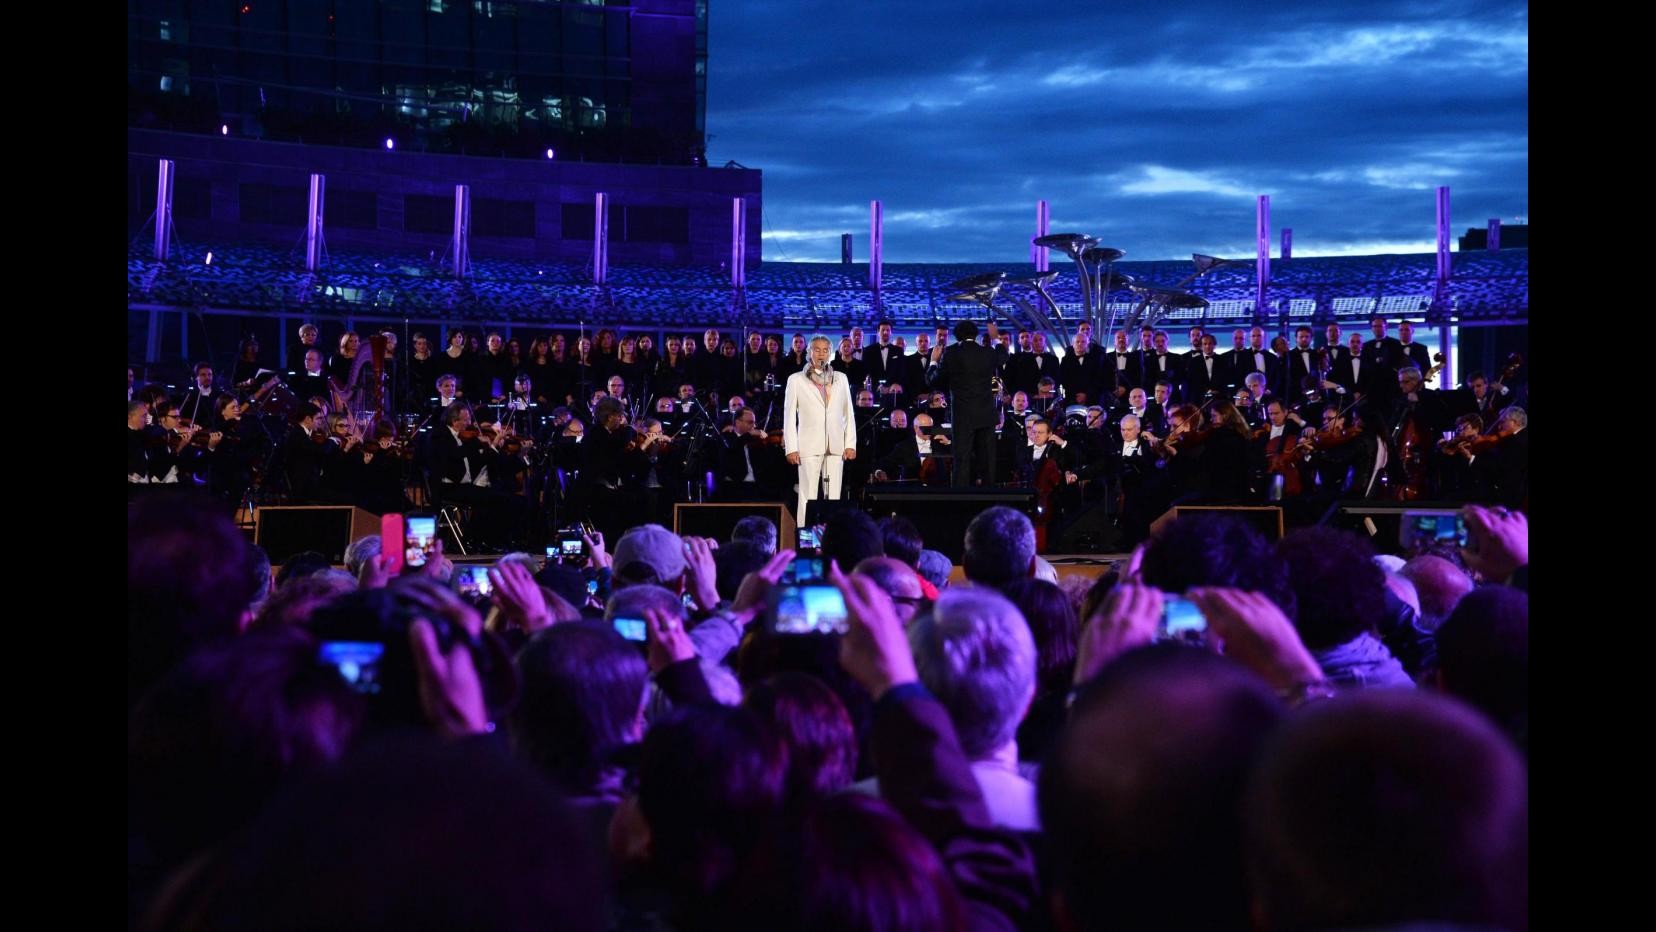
(811, 469)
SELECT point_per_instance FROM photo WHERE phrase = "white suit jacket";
(811, 428)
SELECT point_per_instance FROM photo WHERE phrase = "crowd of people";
(634, 741)
(532, 434)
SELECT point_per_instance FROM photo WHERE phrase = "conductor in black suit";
(965, 372)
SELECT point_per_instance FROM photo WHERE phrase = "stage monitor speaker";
(285, 530)
(718, 519)
(819, 510)
(1091, 531)
(943, 514)
(1266, 519)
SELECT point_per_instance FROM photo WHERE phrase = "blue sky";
(1152, 126)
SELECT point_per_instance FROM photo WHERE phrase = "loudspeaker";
(943, 514)
(289, 529)
(1088, 532)
(1267, 519)
(718, 519)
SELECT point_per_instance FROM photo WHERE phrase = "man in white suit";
(819, 425)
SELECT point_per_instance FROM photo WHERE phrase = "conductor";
(966, 372)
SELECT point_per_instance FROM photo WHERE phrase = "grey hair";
(1514, 414)
(633, 601)
(935, 567)
(976, 655)
(525, 560)
(1000, 542)
(819, 336)
(1254, 378)
(1129, 417)
(360, 552)
(1412, 371)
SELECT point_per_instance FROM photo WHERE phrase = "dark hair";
(1215, 550)
(1131, 816)
(1057, 632)
(852, 865)
(452, 412)
(812, 723)
(1338, 590)
(733, 562)
(188, 581)
(379, 844)
(965, 330)
(760, 531)
(1483, 657)
(850, 537)
(583, 688)
(304, 410)
(293, 603)
(211, 744)
(302, 564)
(710, 781)
(1385, 807)
(901, 539)
(1000, 542)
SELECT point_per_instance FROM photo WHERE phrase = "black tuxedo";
(884, 367)
(965, 373)
(1085, 375)
(1301, 363)
(1243, 362)
(1167, 367)
(1024, 371)
(1197, 381)
(1415, 354)
(1154, 419)
(1025, 468)
(1123, 369)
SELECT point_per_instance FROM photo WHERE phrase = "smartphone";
(419, 537)
(803, 570)
(1181, 620)
(633, 629)
(807, 608)
(391, 542)
(1441, 526)
(472, 580)
(570, 548)
(357, 662)
(810, 539)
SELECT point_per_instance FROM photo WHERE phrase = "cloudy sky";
(1150, 125)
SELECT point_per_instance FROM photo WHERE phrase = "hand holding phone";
(419, 538)
(808, 608)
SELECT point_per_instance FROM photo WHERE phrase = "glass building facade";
(585, 79)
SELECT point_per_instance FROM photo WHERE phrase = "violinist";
(1182, 450)
(230, 460)
(197, 404)
(1128, 465)
(1458, 480)
(912, 448)
(460, 462)
(1481, 397)
(521, 411)
(1511, 454)
(302, 456)
(750, 466)
(341, 459)
(183, 445)
(148, 459)
(608, 466)
(1276, 447)
(1339, 450)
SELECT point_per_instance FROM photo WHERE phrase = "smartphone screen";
(419, 539)
(633, 629)
(810, 539)
(1440, 527)
(1181, 619)
(356, 661)
(808, 609)
(803, 570)
(472, 580)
